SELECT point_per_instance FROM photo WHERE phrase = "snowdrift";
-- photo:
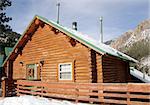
(31, 100)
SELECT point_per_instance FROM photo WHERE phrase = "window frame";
(72, 72)
(35, 71)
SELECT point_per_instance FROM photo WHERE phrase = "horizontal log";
(115, 95)
(138, 96)
(145, 88)
(119, 88)
(114, 101)
(138, 103)
(88, 99)
(87, 94)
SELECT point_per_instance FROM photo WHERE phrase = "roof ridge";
(83, 38)
(92, 42)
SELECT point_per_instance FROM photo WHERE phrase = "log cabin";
(50, 52)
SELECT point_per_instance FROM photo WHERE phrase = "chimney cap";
(101, 18)
(74, 25)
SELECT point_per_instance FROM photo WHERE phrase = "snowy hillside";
(145, 34)
(141, 32)
(136, 43)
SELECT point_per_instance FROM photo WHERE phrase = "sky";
(119, 16)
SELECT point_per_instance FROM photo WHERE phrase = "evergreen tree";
(4, 27)
(7, 36)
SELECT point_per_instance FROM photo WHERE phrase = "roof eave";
(124, 58)
(19, 40)
(72, 35)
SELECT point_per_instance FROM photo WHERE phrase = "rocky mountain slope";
(136, 43)
(141, 32)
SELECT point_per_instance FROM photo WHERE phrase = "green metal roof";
(85, 39)
(8, 50)
(1, 60)
(99, 47)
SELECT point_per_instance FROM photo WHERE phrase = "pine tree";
(8, 37)
(4, 27)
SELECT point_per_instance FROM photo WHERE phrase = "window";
(31, 71)
(65, 71)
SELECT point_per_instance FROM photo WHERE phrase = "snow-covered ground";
(31, 100)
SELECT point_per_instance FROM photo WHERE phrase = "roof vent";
(74, 26)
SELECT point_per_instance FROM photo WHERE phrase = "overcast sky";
(119, 15)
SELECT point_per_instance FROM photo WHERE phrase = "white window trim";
(70, 71)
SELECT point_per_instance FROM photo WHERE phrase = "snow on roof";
(136, 73)
(31, 100)
(95, 45)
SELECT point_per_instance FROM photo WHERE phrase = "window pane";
(65, 72)
(65, 75)
(30, 73)
(65, 67)
(31, 65)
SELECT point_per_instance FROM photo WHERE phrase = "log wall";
(54, 49)
(99, 68)
(115, 70)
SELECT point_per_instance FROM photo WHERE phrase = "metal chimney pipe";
(101, 30)
(58, 10)
(74, 26)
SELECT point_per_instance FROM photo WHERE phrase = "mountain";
(109, 42)
(136, 43)
(141, 32)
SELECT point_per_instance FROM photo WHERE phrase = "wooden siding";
(93, 66)
(53, 49)
(99, 68)
(45, 43)
(114, 70)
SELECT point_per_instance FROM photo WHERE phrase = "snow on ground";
(32, 100)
